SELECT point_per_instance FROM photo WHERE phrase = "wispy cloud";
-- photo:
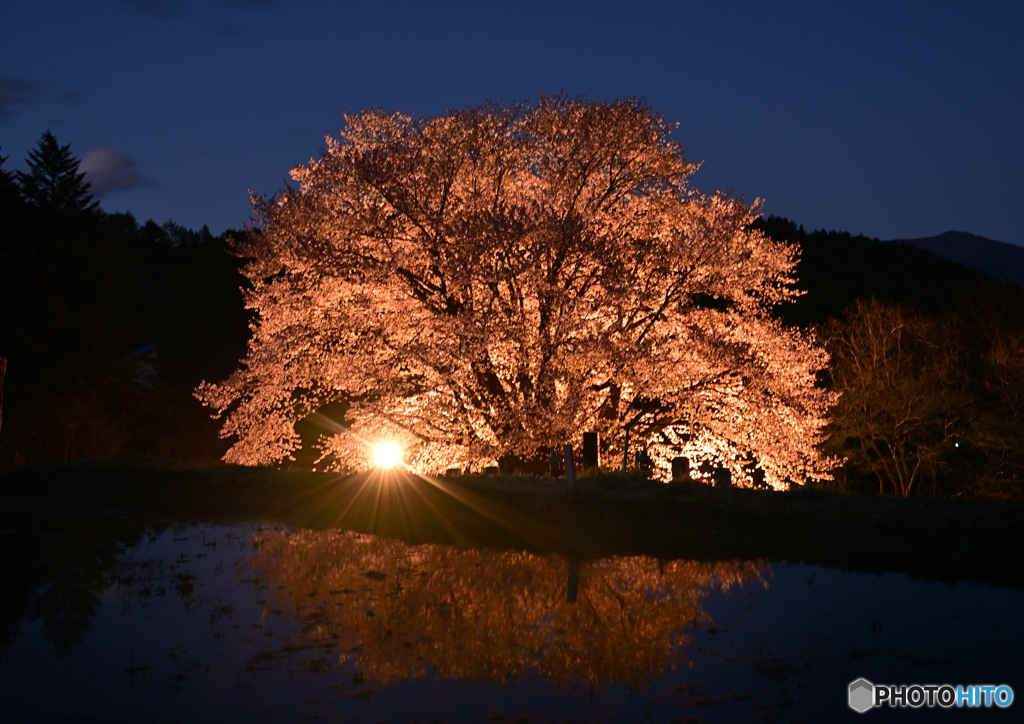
(15, 92)
(108, 170)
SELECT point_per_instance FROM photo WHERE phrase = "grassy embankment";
(936, 538)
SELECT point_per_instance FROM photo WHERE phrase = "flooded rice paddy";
(264, 623)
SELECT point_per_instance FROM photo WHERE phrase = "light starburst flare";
(387, 455)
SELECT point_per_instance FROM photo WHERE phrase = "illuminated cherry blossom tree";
(499, 280)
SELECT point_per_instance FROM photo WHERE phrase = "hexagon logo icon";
(862, 695)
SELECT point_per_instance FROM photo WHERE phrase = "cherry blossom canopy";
(499, 280)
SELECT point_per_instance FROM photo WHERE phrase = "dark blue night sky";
(897, 120)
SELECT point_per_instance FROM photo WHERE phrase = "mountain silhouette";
(995, 258)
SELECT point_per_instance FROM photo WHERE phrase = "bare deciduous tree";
(902, 408)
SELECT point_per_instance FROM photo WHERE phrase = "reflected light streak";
(405, 500)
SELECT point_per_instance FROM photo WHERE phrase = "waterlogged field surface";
(214, 623)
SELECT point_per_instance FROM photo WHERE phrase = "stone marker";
(680, 468)
(570, 466)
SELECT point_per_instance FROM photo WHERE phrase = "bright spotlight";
(387, 455)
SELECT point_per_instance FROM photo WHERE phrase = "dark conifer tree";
(6, 177)
(53, 181)
(8, 187)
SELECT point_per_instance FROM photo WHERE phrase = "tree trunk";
(3, 372)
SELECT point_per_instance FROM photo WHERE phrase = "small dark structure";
(756, 474)
(554, 463)
(722, 477)
(591, 450)
(681, 468)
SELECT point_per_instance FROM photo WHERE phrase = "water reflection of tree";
(66, 606)
(398, 611)
(55, 580)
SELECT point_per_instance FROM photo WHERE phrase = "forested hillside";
(107, 326)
